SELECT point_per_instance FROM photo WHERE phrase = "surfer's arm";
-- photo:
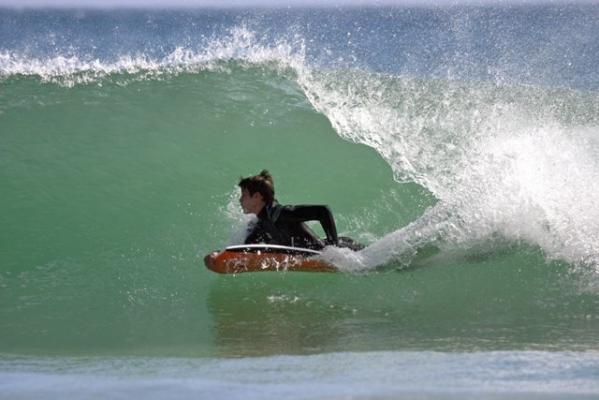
(318, 213)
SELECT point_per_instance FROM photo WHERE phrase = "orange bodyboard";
(256, 258)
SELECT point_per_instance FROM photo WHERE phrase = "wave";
(513, 161)
(240, 45)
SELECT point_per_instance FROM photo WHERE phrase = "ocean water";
(460, 143)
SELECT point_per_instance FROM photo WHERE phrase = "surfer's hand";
(330, 242)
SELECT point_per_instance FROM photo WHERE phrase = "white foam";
(499, 162)
(240, 44)
(397, 375)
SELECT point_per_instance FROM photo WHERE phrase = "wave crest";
(240, 45)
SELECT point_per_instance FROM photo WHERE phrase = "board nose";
(209, 260)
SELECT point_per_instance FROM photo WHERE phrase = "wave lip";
(240, 44)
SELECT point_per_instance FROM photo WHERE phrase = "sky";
(238, 3)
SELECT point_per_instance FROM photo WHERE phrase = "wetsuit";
(284, 225)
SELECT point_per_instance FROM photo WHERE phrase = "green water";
(113, 191)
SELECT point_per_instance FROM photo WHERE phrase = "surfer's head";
(256, 192)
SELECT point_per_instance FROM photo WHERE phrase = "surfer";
(283, 225)
(280, 225)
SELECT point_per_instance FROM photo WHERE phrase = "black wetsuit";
(284, 225)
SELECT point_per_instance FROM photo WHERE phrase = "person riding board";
(285, 225)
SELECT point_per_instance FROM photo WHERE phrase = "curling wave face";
(513, 161)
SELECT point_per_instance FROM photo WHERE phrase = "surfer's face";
(251, 204)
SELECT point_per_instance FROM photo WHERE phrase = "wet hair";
(261, 183)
